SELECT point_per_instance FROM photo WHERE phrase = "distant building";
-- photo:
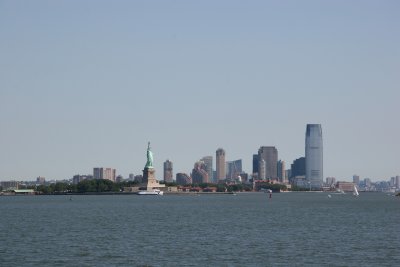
(9, 185)
(397, 182)
(298, 167)
(330, 181)
(138, 178)
(245, 177)
(367, 182)
(314, 155)
(119, 179)
(220, 164)
(270, 155)
(199, 173)
(104, 173)
(392, 182)
(356, 179)
(345, 186)
(234, 168)
(281, 171)
(262, 173)
(183, 179)
(255, 163)
(208, 161)
(79, 178)
(168, 171)
(131, 177)
(40, 180)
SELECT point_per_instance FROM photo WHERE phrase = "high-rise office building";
(233, 169)
(220, 164)
(356, 179)
(281, 171)
(298, 167)
(208, 161)
(314, 156)
(255, 163)
(330, 181)
(183, 179)
(168, 171)
(262, 170)
(270, 155)
(398, 182)
(199, 173)
(104, 173)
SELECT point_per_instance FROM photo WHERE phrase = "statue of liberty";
(149, 163)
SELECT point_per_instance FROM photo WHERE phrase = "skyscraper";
(356, 179)
(168, 174)
(199, 173)
(261, 169)
(255, 163)
(314, 156)
(220, 164)
(183, 179)
(208, 161)
(281, 171)
(298, 167)
(233, 168)
(270, 155)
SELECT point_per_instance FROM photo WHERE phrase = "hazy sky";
(89, 83)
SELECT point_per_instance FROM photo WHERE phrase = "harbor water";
(246, 229)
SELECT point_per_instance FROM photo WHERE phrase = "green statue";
(149, 163)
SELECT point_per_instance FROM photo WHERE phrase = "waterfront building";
(356, 179)
(234, 169)
(76, 179)
(138, 178)
(40, 180)
(261, 170)
(104, 173)
(9, 185)
(330, 181)
(345, 186)
(119, 179)
(392, 182)
(270, 155)
(397, 182)
(220, 164)
(199, 173)
(168, 171)
(298, 167)
(255, 163)
(314, 155)
(367, 182)
(281, 171)
(183, 179)
(208, 161)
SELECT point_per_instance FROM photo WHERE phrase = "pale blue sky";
(88, 83)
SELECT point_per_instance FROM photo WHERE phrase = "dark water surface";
(249, 229)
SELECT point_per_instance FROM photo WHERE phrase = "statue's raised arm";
(149, 163)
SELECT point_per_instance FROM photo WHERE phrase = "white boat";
(154, 192)
(355, 192)
(340, 191)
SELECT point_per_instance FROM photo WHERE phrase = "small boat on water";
(355, 192)
(154, 192)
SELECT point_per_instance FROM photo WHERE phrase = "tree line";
(101, 185)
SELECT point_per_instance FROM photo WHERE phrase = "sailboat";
(355, 191)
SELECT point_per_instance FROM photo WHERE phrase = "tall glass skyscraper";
(314, 156)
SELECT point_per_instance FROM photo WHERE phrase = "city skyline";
(88, 84)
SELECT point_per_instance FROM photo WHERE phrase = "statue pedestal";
(149, 179)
